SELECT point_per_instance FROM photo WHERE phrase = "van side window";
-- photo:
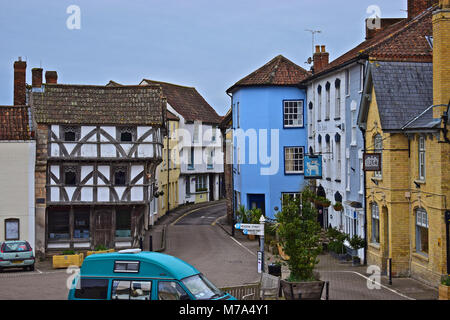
(170, 290)
(126, 266)
(131, 290)
(92, 289)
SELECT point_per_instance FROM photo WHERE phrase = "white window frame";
(291, 156)
(378, 147)
(375, 214)
(421, 154)
(421, 222)
(292, 119)
(347, 82)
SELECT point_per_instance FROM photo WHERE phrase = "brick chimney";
(51, 77)
(441, 64)
(416, 7)
(320, 59)
(36, 77)
(20, 69)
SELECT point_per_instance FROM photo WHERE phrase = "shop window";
(58, 224)
(123, 223)
(81, 224)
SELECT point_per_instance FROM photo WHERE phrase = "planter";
(65, 261)
(356, 261)
(311, 290)
(100, 251)
(444, 292)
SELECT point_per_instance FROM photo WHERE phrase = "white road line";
(38, 270)
(243, 246)
(371, 280)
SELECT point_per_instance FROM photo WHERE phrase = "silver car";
(16, 254)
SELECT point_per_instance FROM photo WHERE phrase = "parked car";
(135, 275)
(16, 254)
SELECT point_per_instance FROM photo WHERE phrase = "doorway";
(103, 227)
(257, 201)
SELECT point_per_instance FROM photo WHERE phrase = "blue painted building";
(269, 135)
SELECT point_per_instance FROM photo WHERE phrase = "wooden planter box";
(444, 292)
(302, 290)
(100, 251)
(64, 261)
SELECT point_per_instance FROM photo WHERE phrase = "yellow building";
(403, 116)
(169, 169)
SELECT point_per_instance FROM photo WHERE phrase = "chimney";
(36, 76)
(20, 69)
(416, 7)
(441, 64)
(51, 77)
(320, 59)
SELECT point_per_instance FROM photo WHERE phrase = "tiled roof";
(83, 104)
(402, 41)
(14, 123)
(279, 71)
(187, 102)
(404, 90)
(171, 116)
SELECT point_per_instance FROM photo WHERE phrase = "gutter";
(365, 201)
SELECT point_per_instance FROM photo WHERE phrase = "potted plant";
(336, 245)
(338, 206)
(299, 234)
(356, 242)
(444, 288)
(322, 201)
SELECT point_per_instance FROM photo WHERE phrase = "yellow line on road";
(215, 221)
(192, 211)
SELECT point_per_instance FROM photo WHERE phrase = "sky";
(206, 44)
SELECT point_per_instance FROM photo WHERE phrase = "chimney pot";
(317, 49)
(36, 75)
(51, 77)
(322, 48)
(20, 68)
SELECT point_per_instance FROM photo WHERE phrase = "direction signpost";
(258, 230)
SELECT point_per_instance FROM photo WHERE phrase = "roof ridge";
(169, 83)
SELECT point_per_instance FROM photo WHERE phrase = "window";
(126, 134)
(287, 196)
(70, 176)
(293, 114)
(196, 137)
(191, 159)
(375, 223)
(188, 185)
(213, 133)
(337, 106)
(354, 124)
(123, 223)
(311, 118)
(338, 156)
(378, 148)
(12, 229)
(81, 224)
(361, 78)
(238, 116)
(328, 101)
(70, 133)
(421, 231)
(170, 290)
(293, 160)
(210, 158)
(126, 266)
(319, 103)
(92, 289)
(201, 287)
(350, 223)
(131, 290)
(422, 158)
(200, 184)
(120, 176)
(347, 82)
(58, 224)
(328, 156)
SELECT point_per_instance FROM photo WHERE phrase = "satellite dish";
(309, 60)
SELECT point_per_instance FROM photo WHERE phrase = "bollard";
(150, 248)
(390, 270)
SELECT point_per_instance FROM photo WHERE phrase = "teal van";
(135, 275)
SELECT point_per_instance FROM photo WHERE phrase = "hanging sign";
(313, 167)
(372, 162)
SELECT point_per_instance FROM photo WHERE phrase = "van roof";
(152, 264)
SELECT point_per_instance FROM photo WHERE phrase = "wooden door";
(103, 228)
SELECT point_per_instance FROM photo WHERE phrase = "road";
(197, 240)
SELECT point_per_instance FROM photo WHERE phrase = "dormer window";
(126, 134)
(70, 133)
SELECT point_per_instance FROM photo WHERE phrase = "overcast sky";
(206, 44)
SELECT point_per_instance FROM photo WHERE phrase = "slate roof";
(423, 121)
(279, 71)
(84, 104)
(14, 123)
(404, 90)
(187, 102)
(401, 41)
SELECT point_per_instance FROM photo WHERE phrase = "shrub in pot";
(299, 235)
(356, 242)
(444, 288)
(336, 245)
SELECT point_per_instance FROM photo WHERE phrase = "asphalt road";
(197, 240)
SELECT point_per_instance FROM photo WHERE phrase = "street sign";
(260, 261)
(253, 232)
(249, 226)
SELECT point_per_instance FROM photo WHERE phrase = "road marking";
(192, 211)
(243, 246)
(38, 270)
(215, 221)
(373, 281)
